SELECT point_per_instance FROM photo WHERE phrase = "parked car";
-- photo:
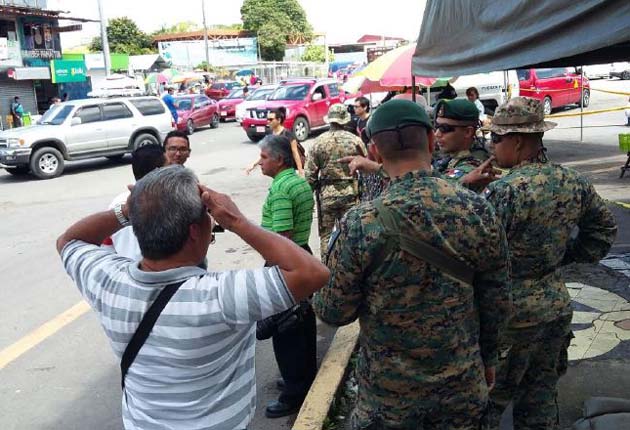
(620, 70)
(82, 129)
(597, 71)
(196, 110)
(255, 99)
(227, 106)
(306, 100)
(221, 89)
(554, 87)
(491, 86)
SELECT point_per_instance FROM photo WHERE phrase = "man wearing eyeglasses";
(552, 216)
(455, 126)
(176, 147)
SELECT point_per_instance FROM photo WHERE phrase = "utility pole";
(104, 41)
(205, 34)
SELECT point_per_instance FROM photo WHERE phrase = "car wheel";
(144, 139)
(190, 127)
(625, 75)
(255, 137)
(586, 98)
(215, 121)
(301, 129)
(117, 157)
(547, 105)
(47, 163)
(18, 171)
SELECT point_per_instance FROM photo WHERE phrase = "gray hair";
(162, 206)
(278, 147)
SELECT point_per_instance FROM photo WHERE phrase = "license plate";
(260, 129)
(224, 113)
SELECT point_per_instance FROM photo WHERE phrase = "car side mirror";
(317, 97)
(76, 121)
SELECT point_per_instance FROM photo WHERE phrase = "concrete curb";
(331, 373)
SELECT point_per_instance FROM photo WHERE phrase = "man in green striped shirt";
(288, 210)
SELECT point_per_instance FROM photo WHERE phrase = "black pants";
(296, 354)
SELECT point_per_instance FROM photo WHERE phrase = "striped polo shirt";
(196, 369)
(289, 206)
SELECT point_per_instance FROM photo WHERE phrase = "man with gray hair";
(196, 369)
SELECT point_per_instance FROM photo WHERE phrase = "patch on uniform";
(454, 173)
(334, 235)
(487, 192)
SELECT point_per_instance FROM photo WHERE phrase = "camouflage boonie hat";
(338, 113)
(520, 115)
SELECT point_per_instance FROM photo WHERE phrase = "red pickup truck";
(307, 101)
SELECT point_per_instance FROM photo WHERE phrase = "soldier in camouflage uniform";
(428, 339)
(456, 124)
(540, 205)
(336, 190)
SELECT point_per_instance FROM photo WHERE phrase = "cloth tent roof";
(149, 62)
(460, 37)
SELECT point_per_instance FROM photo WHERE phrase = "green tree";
(124, 37)
(274, 21)
(317, 54)
(180, 27)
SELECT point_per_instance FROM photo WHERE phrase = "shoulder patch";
(454, 173)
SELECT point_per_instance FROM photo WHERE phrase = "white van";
(491, 87)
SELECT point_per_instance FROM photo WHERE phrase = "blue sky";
(342, 21)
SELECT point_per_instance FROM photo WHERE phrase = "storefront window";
(38, 36)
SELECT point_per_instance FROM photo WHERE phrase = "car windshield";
(260, 94)
(184, 103)
(56, 115)
(290, 92)
(235, 94)
(232, 85)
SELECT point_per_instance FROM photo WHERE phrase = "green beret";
(396, 114)
(457, 109)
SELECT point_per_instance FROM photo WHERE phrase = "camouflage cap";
(338, 113)
(396, 114)
(520, 115)
(458, 109)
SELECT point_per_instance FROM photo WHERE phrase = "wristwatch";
(120, 216)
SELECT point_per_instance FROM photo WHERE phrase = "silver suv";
(82, 129)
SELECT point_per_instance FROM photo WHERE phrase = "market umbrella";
(156, 78)
(390, 71)
(244, 72)
(187, 76)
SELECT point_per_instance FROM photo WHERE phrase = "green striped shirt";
(289, 206)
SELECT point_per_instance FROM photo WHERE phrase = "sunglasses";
(497, 138)
(448, 128)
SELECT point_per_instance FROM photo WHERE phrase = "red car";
(221, 89)
(307, 101)
(196, 110)
(227, 106)
(554, 87)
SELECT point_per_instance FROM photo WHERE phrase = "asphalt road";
(69, 378)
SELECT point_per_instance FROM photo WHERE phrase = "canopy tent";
(460, 37)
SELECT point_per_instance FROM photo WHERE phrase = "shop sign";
(26, 73)
(68, 71)
(46, 54)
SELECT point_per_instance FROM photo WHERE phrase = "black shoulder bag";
(144, 329)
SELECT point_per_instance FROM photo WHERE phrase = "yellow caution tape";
(591, 112)
(621, 93)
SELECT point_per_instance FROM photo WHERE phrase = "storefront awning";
(41, 13)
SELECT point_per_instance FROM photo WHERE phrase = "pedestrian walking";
(336, 190)
(424, 267)
(170, 102)
(288, 211)
(17, 112)
(192, 367)
(552, 216)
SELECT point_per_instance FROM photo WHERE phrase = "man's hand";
(482, 175)
(491, 377)
(222, 208)
(357, 162)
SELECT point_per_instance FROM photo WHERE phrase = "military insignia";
(454, 173)
(487, 192)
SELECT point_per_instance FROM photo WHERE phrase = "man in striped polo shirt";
(288, 211)
(196, 368)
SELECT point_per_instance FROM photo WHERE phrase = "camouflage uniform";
(454, 167)
(425, 337)
(540, 204)
(336, 190)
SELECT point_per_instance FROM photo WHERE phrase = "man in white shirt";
(196, 369)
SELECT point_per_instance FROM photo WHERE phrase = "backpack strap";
(391, 220)
(144, 329)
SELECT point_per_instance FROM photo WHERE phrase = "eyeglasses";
(174, 149)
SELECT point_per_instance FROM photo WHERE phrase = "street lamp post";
(104, 41)
(205, 34)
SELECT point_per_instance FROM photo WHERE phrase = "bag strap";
(144, 329)
(391, 220)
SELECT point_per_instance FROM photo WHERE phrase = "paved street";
(69, 378)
